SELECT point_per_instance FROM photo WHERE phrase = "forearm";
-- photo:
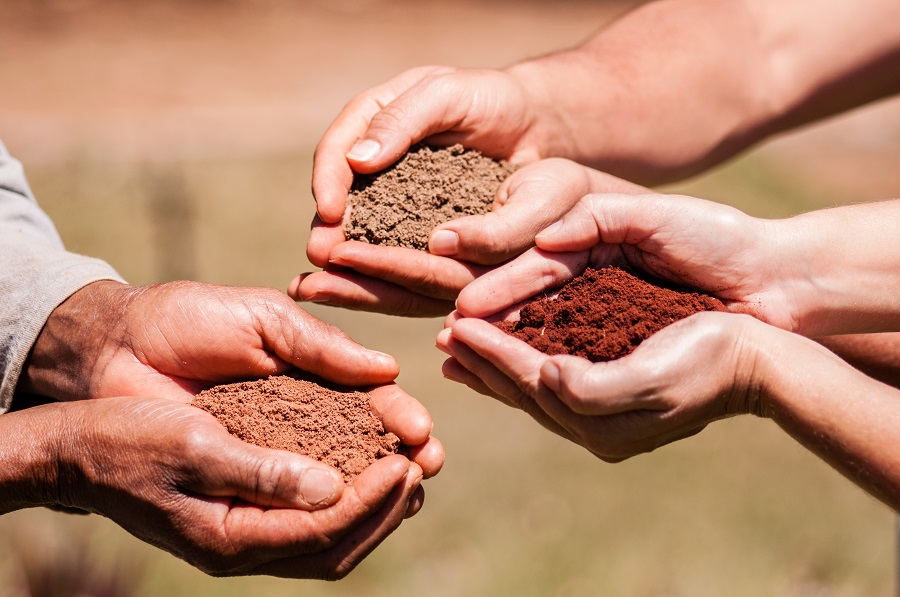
(677, 86)
(842, 268)
(29, 457)
(876, 355)
(849, 420)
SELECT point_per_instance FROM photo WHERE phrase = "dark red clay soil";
(402, 204)
(285, 413)
(603, 315)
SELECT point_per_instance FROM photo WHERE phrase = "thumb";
(433, 105)
(527, 202)
(487, 239)
(265, 477)
(312, 345)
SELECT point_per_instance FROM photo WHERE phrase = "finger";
(315, 346)
(271, 535)
(429, 456)
(339, 560)
(524, 277)
(453, 370)
(416, 501)
(322, 239)
(362, 293)
(452, 318)
(401, 414)
(418, 271)
(598, 388)
(528, 201)
(431, 105)
(228, 467)
(609, 218)
(508, 366)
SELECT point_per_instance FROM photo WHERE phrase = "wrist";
(30, 453)
(841, 270)
(73, 344)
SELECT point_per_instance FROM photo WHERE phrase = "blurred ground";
(174, 139)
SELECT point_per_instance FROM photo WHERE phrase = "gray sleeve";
(36, 273)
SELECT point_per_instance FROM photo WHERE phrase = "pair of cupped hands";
(552, 219)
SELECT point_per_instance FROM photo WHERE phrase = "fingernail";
(364, 150)
(317, 486)
(550, 376)
(444, 242)
(551, 229)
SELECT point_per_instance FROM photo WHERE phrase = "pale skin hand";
(171, 475)
(828, 272)
(617, 409)
(407, 282)
(691, 373)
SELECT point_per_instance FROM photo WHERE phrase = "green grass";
(739, 510)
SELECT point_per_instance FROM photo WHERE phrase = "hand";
(171, 475)
(744, 261)
(407, 282)
(482, 109)
(685, 376)
(173, 340)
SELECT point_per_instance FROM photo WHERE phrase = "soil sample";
(334, 426)
(604, 314)
(402, 204)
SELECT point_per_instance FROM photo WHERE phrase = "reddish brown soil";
(402, 204)
(334, 426)
(604, 314)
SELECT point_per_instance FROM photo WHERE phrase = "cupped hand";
(685, 376)
(173, 340)
(743, 261)
(171, 475)
(403, 281)
(485, 110)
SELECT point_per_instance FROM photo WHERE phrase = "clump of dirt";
(604, 314)
(286, 413)
(402, 204)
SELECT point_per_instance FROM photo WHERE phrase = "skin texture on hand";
(616, 409)
(403, 281)
(691, 373)
(482, 109)
(172, 476)
(827, 272)
(687, 241)
(173, 340)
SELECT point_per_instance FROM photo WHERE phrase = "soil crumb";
(285, 413)
(402, 204)
(604, 314)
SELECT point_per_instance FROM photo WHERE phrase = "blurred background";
(174, 139)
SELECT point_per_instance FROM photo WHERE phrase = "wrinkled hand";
(404, 281)
(173, 340)
(692, 242)
(172, 476)
(685, 376)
